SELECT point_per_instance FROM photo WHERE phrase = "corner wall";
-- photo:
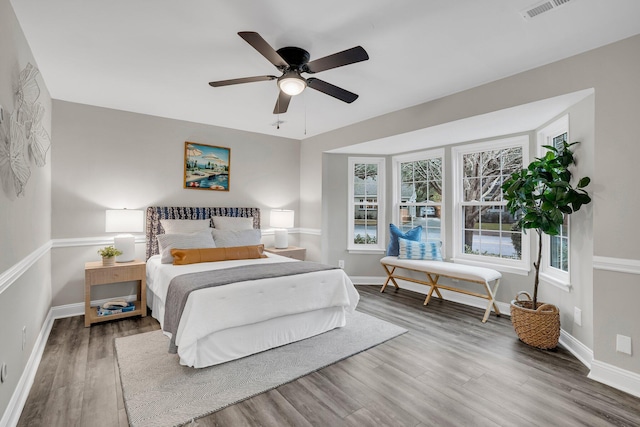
(106, 159)
(25, 229)
(612, 71)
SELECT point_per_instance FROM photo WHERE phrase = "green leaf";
(543, 193)
(584, 182)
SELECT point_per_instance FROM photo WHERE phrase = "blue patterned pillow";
(419, 250)
(414, 234)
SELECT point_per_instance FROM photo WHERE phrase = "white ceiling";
(525, 117)
(157, 56)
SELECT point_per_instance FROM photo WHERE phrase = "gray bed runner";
(181, 286)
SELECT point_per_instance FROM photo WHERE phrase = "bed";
(223, 323)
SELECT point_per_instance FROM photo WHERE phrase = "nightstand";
(290, 252)
(96, 274)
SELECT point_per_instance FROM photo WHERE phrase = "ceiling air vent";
(542, 7)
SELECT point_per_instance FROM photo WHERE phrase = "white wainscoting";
(14, 272)
(20, 394)
(621, 265)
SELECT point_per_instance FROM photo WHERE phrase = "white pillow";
(199, 239)
(232, 223)
(419, 250)
(173, 226)
(228, 238)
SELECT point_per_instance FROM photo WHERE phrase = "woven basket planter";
(539, 328)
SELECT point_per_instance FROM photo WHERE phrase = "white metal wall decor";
(23, 133)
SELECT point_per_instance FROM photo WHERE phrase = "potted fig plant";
(539, 197)
(109, 255)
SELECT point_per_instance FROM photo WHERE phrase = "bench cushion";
(461, 271)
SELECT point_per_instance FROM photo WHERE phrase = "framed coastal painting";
(206, 167)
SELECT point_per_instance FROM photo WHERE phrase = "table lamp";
(281, 219)
(124, 221)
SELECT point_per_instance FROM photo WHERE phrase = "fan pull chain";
(304, 101)
(278, 115)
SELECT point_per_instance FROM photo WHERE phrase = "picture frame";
(206, 167)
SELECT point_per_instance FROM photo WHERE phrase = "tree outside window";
(366, 187)
(421, 197)
(485, 229)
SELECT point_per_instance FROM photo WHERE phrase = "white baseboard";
(422, 289)
(367, 280)
(624, 380)
(583, 353)
(20, 394)
(77, 309)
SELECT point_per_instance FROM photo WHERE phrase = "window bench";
(436, 269)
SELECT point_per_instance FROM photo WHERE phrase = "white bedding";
(216, 317)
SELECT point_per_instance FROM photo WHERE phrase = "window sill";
(500, 267)
(558, 283)
(366, 251)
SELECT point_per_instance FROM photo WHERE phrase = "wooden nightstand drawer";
(290, 252)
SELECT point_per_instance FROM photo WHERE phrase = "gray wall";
(612, 71)
(25, 225)
(364, 266)
(105, 159)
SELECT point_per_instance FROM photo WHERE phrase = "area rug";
(159, 392)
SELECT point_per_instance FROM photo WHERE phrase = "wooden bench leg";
(433, 283)
(492, 301)
(495, 291)
(389, 278)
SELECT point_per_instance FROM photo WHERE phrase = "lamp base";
(127, 244)
(281, 240)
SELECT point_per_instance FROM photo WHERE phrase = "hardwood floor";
(449, 369)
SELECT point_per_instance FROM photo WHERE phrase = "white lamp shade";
(292, 83)
(126, 243)
(124, 221)
(281, 218)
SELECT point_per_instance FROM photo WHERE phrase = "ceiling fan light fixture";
(292, 83)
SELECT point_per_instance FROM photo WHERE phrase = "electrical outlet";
(623, 344)
(577, 316)
(341, 263)
(24, 337)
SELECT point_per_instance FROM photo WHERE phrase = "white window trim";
(553, 276)
(380, 245)
(397, 191)
(522, 266)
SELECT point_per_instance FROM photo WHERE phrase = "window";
(554, 267)
(366, 207)
(418, 193)
(484, 229)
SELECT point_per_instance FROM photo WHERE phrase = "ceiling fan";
(292, 62)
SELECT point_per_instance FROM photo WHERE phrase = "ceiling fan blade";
(282, 103)
(329, 89)
(265, 49)
(241, 80)
(346, 57)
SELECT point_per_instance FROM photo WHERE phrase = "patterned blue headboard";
(156, 213)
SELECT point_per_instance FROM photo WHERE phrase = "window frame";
(548, 273)
(379, 246)
(397, 187)
(521, 266)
